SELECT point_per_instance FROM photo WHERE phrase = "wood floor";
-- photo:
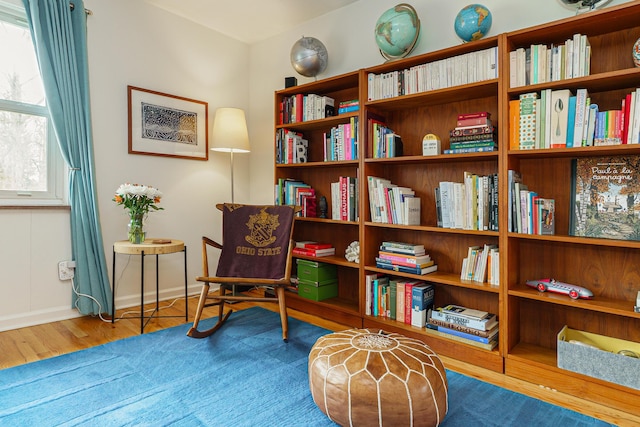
(34, 343)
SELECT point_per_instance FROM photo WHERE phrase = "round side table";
(155, 247)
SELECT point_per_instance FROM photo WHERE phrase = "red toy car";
(552, 285)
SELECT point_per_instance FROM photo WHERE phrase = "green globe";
(397, 31)
(472, 22)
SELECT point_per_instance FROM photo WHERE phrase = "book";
(314, 252)
(462, 328)
(471, 337)
(604, 191)
(308, 244)
(481, 324)
(478, 114)
(581, 111)
(421, 303)
(489, 346)
(559, 117)
(472, 131)
(387, 265)
(528, 120)
(547, 217)
(417, 250)
(369, 278)
(465, 312)
(402, 259)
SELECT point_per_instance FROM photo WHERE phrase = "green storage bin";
(314, 271)
(316, 292)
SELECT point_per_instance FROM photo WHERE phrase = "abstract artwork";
(167, 125)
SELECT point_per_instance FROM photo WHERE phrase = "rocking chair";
(256, 251)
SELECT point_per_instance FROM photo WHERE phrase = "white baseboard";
(56, 314)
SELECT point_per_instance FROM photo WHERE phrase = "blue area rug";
(244, 375)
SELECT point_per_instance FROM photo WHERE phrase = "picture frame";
(167, 125)
(605, 198)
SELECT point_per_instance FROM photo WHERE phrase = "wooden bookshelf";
(529, 321)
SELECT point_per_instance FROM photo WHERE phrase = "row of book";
(468, 205)
(454, 71)
(344, 199)
(405, 258)
(529, 213)
(407, 301)
(560, 119)
(300, 108)
(313, 249)
(291, 147)
(474, 133)
(341, 142)
(295, 192)
(392, 204)
(481, 264)
(470, 326)
(540, 63)
(384, 141)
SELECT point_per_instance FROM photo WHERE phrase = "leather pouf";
(362, 377)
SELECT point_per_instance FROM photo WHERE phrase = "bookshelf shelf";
(529, 321)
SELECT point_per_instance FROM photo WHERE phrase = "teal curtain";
(60, 38)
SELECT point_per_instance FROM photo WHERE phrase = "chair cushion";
(255, 241)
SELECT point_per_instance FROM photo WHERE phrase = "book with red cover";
(313, 245)
(314, 252)
(474, 115)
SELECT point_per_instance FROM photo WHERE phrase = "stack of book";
(396, 298)
(405, 258)
(479, 263)
(313, 249)
(348, 106)
(474, 133)
(474, 327)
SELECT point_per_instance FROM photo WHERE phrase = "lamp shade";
(230, 131)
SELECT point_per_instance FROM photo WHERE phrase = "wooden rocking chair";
(256, 250)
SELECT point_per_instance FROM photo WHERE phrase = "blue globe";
(472, 22)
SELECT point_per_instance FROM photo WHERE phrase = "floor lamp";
(230, 134)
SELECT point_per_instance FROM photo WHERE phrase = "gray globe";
(309, 57)
(579, 4)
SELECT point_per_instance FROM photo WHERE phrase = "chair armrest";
(205, 261)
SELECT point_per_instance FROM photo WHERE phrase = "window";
(31, 168)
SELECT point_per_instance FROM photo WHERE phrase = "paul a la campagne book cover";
(605, 199)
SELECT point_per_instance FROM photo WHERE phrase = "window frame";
(57, 170)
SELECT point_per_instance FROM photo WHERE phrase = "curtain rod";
(73, 6)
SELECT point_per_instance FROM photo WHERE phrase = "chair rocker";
(256, 251)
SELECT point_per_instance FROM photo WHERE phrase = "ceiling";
(249, 21)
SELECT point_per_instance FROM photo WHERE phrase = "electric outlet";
(66, 270)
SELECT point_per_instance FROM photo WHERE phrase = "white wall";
(133, 43)
(348, 35)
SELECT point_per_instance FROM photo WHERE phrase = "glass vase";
(136, 229)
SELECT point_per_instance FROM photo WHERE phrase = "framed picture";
(167, 125)
(605, 197)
